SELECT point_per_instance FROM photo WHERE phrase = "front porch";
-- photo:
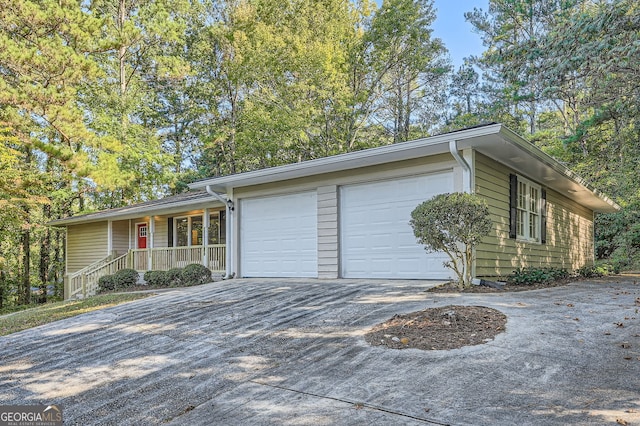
(84, 282)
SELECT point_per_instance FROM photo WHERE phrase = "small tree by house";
(455, 224)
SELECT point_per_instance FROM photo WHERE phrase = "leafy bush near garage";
(195, 274)
(157, 278)
(455, 224)
(531, 276)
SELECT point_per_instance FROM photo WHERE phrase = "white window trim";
(175, 229)
(527, 238)
(189, 218)
(220, 230)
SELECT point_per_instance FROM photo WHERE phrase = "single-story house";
(347, 215)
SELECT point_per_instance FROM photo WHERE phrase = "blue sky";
(456, 33)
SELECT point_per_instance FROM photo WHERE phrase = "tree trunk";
(407, 111)
(45, 255)
(122, 51)
(25, 245)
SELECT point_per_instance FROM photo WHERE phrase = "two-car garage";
(279, 233)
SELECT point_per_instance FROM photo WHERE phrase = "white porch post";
(228, 201)
(151, 233)
(205, 237)
(229, 234)
(109, 237)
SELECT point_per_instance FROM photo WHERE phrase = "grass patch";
(51, 312)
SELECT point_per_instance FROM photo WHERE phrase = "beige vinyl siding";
(86, 243)
(328, 232)
(569, 228)
(120, 236)
(160, 233)
(396, 169)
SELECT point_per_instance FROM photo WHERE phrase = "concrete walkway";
(291, 352)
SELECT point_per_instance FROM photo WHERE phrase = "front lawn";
(51, 312)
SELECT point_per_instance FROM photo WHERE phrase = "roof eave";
(603, 204)
(476, 138)
(102, 216)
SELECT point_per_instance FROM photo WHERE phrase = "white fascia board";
(138, 212)
(495, 141)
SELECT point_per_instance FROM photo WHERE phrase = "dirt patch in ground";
(453, 287)
(447, 327)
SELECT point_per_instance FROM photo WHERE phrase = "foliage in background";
(618, 237)
(567, 72)
(455, 224)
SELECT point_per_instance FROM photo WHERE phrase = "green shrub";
(106, 283)
(195, 274)
(174, 276)
(455, 224)
(594, 271)
(157, 278)
(530, 276)
(125, 278)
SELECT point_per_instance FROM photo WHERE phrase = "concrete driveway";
(291, 352)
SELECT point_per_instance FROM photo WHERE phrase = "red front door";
(142, 235)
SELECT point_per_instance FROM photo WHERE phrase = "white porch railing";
(76, 279)
(165, 258)
(85, 281)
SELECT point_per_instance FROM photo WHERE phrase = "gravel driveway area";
(292, 352)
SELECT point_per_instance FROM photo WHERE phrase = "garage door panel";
(376, 238)
(278, 236)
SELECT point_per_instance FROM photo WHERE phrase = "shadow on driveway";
(291, 352)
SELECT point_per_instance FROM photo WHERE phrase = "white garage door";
(376, 238)
(279, 236)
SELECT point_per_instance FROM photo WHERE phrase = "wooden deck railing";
(85, 281)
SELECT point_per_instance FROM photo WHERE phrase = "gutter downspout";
(228, 227)
(467, 185)
(467, 180)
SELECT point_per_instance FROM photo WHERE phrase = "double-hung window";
(527, 212)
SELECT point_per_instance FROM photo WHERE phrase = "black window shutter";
(513, 203)
(170, 232)
(543, 216)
